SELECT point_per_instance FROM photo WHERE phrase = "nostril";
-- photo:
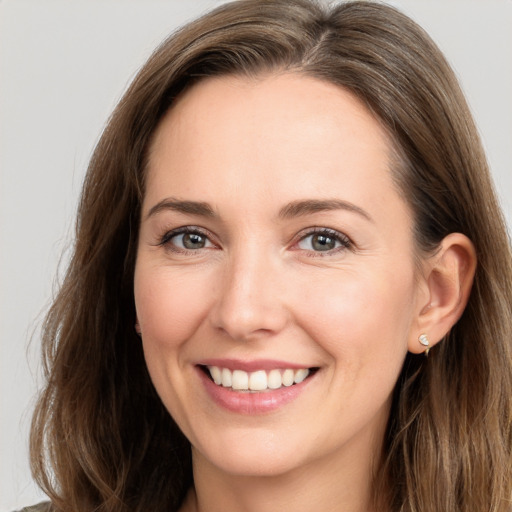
(249, 306)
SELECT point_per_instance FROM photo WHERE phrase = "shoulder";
(45, 506)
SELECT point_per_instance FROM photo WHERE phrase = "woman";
(288, 210)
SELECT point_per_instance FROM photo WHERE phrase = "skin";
(259, 288)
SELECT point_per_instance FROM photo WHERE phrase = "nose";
(250, 301)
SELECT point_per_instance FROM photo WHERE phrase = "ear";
(446, 282)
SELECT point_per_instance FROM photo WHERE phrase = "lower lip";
(244, 402)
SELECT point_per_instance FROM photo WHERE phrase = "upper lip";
(252, 366)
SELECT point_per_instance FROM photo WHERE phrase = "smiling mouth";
(257, 381)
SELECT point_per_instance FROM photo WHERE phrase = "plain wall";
(63, 66)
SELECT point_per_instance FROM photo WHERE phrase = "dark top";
(45, 506)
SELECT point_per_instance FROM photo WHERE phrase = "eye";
(323, 240)
(186, 239)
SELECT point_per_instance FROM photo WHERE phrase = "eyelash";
(338, 237)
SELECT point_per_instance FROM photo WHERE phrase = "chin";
(252, 456)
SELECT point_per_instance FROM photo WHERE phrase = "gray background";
(63, 66)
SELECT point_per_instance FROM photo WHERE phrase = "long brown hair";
(101, 439)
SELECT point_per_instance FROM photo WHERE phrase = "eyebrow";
(309, 206)
(190, 207)
(293, 209)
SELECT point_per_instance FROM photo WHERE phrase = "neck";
(338, 483)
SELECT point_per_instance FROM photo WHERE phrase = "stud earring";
(423, 339)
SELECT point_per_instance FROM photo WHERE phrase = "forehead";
(268, 101)
(291, 134)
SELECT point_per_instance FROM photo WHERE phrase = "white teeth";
(300, 375)
(240, 380)
(260, 380)
(226, 378)
(288, 376)
(216, 374)
(274, 380)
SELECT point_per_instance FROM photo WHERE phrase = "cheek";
(169, 311)
(361, 314)
(170, 305)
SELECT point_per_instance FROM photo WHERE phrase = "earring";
(423, 339)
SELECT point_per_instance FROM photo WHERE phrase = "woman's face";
(274, 247)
